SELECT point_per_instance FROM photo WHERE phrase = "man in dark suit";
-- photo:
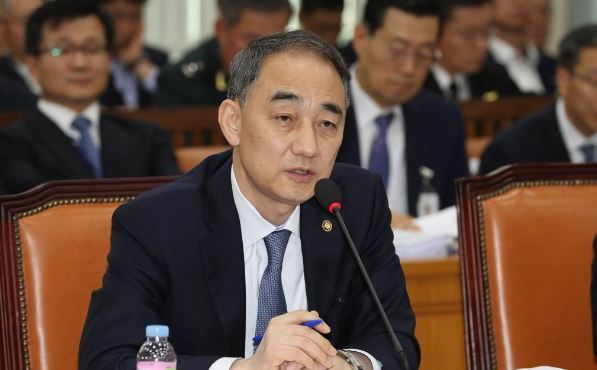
(135, 66)
(463, 72)
(567, 130)
(323, 18)
(201, 76)
(528, 67)
(396, 45)
(13, 66)
(203, 256)
(67, 136)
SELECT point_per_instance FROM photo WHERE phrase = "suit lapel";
(322, 252)
(557, 150)
(58, 146)
(117, 148)
(224, 258)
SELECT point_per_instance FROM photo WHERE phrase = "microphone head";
(328, 195)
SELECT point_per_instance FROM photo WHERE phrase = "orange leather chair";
(526, 249)
(53, 248)
(190, 156)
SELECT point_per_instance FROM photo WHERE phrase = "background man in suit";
(539, 21)
(68, 137)
(135, 67)
(13, 68)
(567, 130)
(462, 73)
(323, 18)
(284, 119)
(201, 76)
(530, 69)
(395, 128)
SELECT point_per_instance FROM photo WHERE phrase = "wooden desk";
(435, 293)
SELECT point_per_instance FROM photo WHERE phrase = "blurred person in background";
(540, 19)
(200, 78)
(394, 127)
(67, 136)
(463, 71)
(323, 18)
(565, 131)
(510, 45)
(19, 87)
(135, 66)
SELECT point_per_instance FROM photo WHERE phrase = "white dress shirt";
(366, 111)
(444, 80)
(125, 82)
(63, 117)
(253, 229)
(573, 139)
(523, 69)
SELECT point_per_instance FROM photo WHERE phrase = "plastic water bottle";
(156, 353)
(428, 201)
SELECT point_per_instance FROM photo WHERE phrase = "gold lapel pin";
(326, 225)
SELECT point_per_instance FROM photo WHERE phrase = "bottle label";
(156, 365)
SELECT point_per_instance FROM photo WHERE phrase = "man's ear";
(230, 121)
(31, 63)
(360, 37)
(563, 77)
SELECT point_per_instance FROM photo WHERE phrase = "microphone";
(329, 197)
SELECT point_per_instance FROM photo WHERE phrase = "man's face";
(394, 61)
(16, 18)
(79, 75)
(324, 23)
(288, 132)
(127, 18)
(579, 90)
(251, 25)
(464, 41)
(539, 16)
(512, 15)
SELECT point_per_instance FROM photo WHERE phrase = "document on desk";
(436, 239)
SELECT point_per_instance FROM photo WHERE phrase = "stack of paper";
(436, 238)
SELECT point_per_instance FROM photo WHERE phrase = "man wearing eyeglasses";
(67, 137)
(464, 72)
(395, 129)
(567, 130)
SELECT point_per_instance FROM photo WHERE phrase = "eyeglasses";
(70, 50)
(399, 53)
(589, 81)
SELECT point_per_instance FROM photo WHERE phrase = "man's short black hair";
(375, 11)
(231, 10)
(56, 12)
(572, 44)
(448, 6)
(310, 6)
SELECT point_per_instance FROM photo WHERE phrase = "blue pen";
(310, 324)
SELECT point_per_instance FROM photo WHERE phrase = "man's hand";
(287, 343)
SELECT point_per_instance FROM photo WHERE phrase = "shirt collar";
(573, 138)
(252, 225)
(444, 79)
(365, 108)
(505, 53)
(63, 117)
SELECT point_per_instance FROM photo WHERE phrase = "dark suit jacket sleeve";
(382, 263)
(18, 170)
(138, 276)
(594, 295)
(493, 158)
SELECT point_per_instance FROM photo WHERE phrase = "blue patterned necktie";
(588, 151)
(86, 146)
(271, 302)
(379, 160)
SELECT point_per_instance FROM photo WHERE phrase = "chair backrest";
(189, 157)
(483, 119)
(526, 248)
(192, 126)
(53, 248)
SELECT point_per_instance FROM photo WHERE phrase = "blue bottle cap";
(157, 331)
